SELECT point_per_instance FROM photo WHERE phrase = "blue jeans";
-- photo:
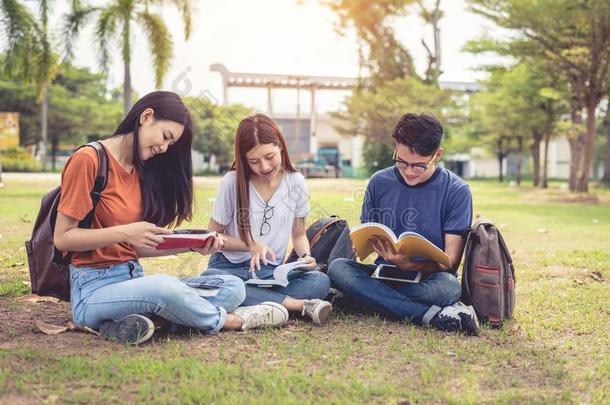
(117, 291)
(307, 285)
(417, 302)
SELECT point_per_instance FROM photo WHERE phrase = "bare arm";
(299, 237)
(69, 237)
(231, 244)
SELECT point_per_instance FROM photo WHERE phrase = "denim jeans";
(307, 285)
(117, 291)
(417, 302)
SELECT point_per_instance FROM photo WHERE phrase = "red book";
(186, 238)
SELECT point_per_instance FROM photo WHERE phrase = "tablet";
(393, 273)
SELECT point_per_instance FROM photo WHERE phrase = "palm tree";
(29, 55)
(120, 17)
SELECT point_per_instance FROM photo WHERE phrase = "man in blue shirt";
(414, 195)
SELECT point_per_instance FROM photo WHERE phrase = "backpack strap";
(98, 186)
(100, 181)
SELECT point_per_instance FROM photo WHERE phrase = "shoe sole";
(322, 314)
(283, 310)
(148, 335)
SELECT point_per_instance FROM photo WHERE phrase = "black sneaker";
(447, 320)
(468, 317)
(131, 330)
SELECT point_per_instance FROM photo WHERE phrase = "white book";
(281, 274)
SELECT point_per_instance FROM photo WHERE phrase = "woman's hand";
(309, 260)
(386, 250)
(214, 246)
(260, 251)
(143, 234)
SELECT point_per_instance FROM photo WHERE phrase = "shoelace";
(309, 307)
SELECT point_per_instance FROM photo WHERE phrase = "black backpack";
(49, 272)
(329, 240)
(488, 274)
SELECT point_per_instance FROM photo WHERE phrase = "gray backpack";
(488, 275)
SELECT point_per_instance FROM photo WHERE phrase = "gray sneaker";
(264, 314)
(447, 319)
(132, 330)
(318, 310)
(468, 318)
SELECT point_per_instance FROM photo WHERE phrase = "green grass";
(555, 350)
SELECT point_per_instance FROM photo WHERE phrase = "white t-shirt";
(289, 201)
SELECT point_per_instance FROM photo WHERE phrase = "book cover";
(415, 245)
(186, 238)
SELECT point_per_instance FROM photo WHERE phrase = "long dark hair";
(167, 178)
(252, 131)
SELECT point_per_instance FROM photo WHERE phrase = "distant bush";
(18, 159)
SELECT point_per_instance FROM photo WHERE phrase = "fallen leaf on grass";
(25, 219)
(542, 230)
(17, 264)
(597, 276)
(29, 284)
(49, 329)
(36, 298)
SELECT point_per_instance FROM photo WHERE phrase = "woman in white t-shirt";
(261, 203)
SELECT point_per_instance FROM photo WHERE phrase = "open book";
(281, 274)
(186, 238)
(415, 245)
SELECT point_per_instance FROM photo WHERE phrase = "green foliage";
(215, 127)
(18, 159)
(377, 156)
(381, 54)
(79, 107)
(374, 113)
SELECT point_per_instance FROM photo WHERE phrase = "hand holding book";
(386, 250)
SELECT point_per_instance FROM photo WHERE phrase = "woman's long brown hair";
(254, 130)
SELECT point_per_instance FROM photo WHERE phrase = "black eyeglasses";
(418, 168)
(267, 215)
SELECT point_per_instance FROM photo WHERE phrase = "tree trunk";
(545, 163)
(500, 155)
(584, 168)
(42, 145)
(575, 144)
(606, 177)
(54, 148)
(127, 89)
(519, 158)
(126, 53)
(535, 149)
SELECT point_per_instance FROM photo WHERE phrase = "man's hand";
(386, 250)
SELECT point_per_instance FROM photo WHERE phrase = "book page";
(362, 233)
(417, 245)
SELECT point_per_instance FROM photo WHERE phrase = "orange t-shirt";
(120, 203)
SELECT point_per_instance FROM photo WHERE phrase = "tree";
(381, 55)
(29, 56)
(215, 127)
(374, 113)
(79, 108)
(575, 37)
(119, 19)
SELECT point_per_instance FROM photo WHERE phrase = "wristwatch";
(305, 255)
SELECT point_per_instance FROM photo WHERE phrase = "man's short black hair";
(420, 132)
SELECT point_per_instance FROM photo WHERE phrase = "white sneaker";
(317, 310)
(264, 314)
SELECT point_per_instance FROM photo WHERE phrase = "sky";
(280, 37)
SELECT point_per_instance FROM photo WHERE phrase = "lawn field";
(556, 350)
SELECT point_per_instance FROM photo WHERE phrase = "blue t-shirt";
(442, 204)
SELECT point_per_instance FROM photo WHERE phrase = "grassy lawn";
(557, 349)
